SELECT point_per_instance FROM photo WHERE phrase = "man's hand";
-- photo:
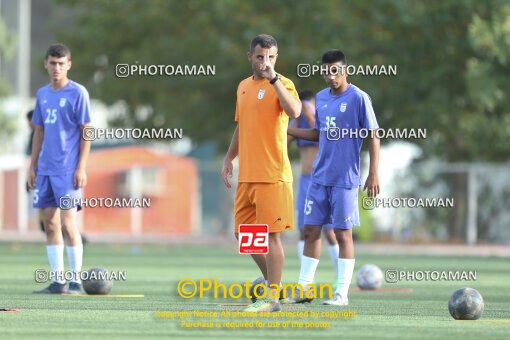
(31, 177)
(372, 185)
(226, 171)
(80, 178)
(267, 68)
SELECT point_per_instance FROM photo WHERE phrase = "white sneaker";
(337, 300)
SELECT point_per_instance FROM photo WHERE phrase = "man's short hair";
(58, 51)
(306, 95)
(334, 56)
(264, 40)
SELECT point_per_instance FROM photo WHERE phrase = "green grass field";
(155, 270)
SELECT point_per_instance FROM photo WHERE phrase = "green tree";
(487, 76)
(447, 81)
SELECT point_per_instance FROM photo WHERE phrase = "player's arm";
(372, 183)
(309, 113)
(80, 175)
(233, 150)
(290, 104)
(308, 134)
(34, 158)
(293, 124)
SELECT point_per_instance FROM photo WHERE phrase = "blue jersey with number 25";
(61, 113)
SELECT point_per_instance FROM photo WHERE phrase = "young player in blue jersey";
(58, 162)
(332, 197)
(307, 153)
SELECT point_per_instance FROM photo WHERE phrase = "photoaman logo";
(188, 288)
(253, 239)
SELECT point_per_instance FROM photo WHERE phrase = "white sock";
(344, 276)
(56, 259)
(333, 253)
(75, 257)
(300, 248)
(308, 268)
(267, 284)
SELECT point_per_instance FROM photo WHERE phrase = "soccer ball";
(97, 282)
(369, 277)
(260, 290)
(466, 304)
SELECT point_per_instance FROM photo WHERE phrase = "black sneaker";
(53, 288)
(74, 288)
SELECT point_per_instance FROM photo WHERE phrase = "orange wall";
(172, 209)
(10, 200)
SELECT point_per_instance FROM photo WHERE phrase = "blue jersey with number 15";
(61, 113)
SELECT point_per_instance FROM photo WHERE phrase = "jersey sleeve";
(367, 115)
(37, 118)
(82, 108)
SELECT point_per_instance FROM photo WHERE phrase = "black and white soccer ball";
(466, 304)
(97, 282)
(369, 276)
(260, 289)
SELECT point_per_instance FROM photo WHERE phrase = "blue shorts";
(304, 182)
(50, 190)
(337, 207)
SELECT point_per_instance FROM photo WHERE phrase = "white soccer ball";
(369, 277)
